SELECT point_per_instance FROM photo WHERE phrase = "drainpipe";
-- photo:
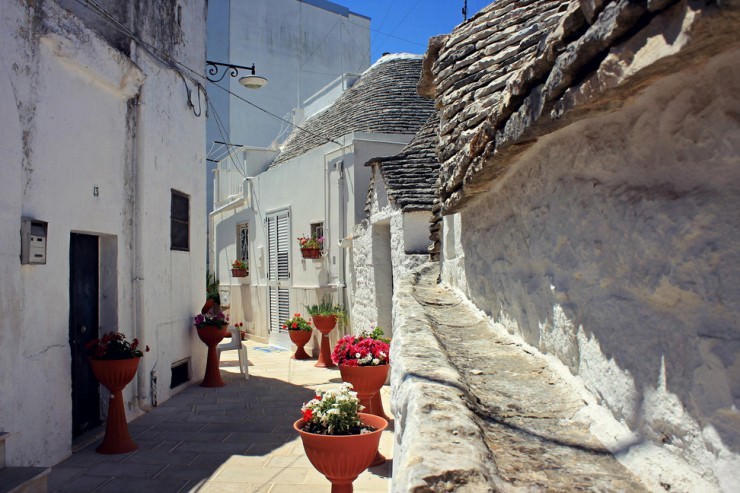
(327, 210)
(137, 277)
(342, 220)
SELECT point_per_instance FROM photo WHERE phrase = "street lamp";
(250, 81)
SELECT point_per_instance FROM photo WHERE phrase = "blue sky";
(398, 26)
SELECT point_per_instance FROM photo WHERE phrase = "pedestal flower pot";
(239, 272)
(325, 324)
(367, 381)
(311, 252)
(341, 458)
(115, 374)
(300, 338)
(211, 335)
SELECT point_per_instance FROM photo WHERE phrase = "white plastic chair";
(236, 343)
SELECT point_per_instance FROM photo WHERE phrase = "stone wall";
(614, 245)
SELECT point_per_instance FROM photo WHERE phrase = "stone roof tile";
(410, 175)
(383, 100)
(520, 69)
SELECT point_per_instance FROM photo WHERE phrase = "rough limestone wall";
(366, 265)
(361, 279)
(614, 245)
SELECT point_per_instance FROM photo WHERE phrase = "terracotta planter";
(211, 335)
(325, 324)
(239, 272)
(341, 458)
(300, 338)
(311, 252)
(115, 374)
(367, 381)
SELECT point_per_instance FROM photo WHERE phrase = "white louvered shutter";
(278, 243)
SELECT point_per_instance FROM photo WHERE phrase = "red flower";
(307, 414)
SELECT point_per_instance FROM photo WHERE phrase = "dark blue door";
(83, 327)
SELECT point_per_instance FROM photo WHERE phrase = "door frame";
(107, 315)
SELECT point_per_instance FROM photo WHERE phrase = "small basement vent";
(180, 372)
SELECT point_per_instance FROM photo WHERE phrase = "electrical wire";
(173, 63)
(222, 130)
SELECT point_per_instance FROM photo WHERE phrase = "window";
(242, 242)
(180, 221)
(317, 231)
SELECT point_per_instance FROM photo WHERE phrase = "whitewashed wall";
(614, 245)
(67, 128)
(378, 259)
(325, 184)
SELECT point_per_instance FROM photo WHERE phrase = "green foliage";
(376, 334)
(297, 323)
(327, 307)
(212, 288)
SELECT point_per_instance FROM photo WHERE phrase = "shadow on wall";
(625, 264)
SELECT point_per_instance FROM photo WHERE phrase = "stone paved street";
(237, 438)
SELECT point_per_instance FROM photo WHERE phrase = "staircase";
(20, 479)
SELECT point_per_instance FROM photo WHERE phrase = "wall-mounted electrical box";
(33, 241)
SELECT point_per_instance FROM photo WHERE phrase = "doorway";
(383, 275)
(84, 313)
(278, 276)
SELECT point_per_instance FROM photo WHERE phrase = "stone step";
(24, 479)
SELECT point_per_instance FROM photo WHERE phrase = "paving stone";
(233, 438)
(125, 470)
(126, 485)
(65, 482)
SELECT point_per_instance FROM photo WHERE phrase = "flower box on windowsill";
(311, 252)
(239, 272)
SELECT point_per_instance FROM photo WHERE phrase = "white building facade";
(309, 51)
(317, 185)
(104, 164)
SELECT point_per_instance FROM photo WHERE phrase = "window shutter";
(278, 244)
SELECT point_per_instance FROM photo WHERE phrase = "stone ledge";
(439, 444)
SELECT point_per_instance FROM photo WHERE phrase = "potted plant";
(212, 327)
(339, 441)
(239, 268)
(242, 332)
(299, 329)
(114, 361)
(213, 298)
(311, 246)
(325, 315)
(364, 362)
